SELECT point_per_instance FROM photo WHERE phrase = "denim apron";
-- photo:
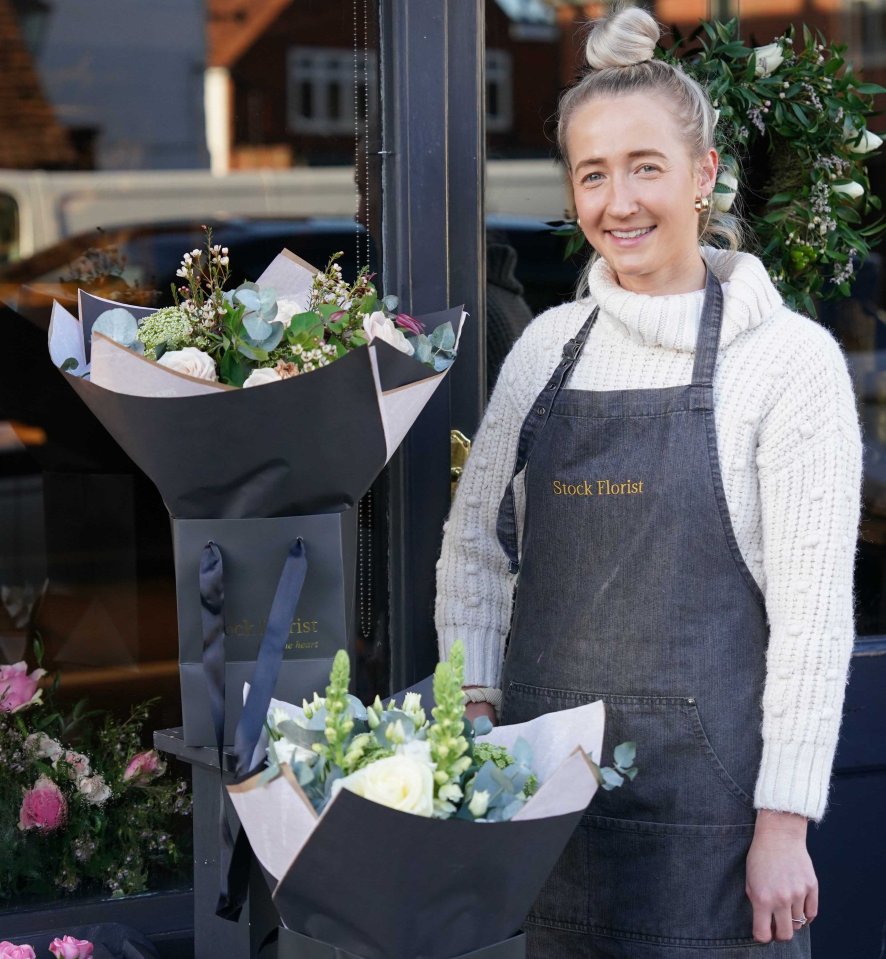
(632, 590)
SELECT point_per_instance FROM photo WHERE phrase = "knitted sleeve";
(809, 468)
(474, 589)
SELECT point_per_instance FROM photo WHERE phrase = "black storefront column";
(433, 242)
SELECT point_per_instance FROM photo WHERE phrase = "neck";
(690, 277)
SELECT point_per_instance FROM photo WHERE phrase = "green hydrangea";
(170, 327)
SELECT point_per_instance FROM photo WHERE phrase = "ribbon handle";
(234, 851)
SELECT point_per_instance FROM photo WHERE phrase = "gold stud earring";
(578, 220)
(702, 203)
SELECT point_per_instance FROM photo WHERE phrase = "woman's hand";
(473, 710)
(780, 882)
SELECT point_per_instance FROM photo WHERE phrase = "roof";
(32, 135)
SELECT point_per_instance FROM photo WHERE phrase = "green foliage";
(798, 128)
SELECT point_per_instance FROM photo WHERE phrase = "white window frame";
(323, 68)
(499, 73)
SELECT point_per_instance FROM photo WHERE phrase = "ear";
(707, 172)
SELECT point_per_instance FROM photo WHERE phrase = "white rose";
(191, 361)
(399, 782)
(769, 58)
(723, 201)
(76, 764)
(853, 190)
(94, 789)
(868, 142)
(287, 308)
(44, 747)
(380, 326)
(267, 374)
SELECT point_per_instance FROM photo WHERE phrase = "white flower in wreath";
(722, 200)
(287, 308)
(44, 747)
(190, 361)
(867, 144)
(382, 327)
(402, 782)
(769, 59)
(853, 190)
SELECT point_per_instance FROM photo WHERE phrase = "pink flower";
(43, 807)
(143, 767)
(410, 323)
(70, 948)
(9, 951)
(18, 688)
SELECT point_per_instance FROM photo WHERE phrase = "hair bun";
(627, 38)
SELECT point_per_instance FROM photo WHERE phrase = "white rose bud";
(287, 308)
(853, 190)
(867, 144)
(769, 59)
(379, 326)
(479, 803)
(267, 374)
(191, 361)
(399, 782)
(723, 201)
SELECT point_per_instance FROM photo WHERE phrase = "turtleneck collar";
(671, 321)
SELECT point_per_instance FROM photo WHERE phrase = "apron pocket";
(668, 883)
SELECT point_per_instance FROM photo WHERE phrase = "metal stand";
(214, 937)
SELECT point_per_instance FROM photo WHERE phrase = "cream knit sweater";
(790, 452)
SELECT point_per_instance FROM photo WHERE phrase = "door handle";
(459, 447)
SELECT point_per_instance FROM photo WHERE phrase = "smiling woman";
(703, 589)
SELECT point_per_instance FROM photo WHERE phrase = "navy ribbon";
(234, 851)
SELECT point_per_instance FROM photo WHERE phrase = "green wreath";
(795, 123)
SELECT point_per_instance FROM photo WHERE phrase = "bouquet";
(82, 804)
(444, 805)
(253, 335)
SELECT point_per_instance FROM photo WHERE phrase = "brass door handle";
(459, 447)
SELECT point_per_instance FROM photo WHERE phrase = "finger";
(763, 926)
(784, 928)
(810, 907)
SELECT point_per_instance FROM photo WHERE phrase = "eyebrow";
(633, 155)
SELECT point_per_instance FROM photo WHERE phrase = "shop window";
(499, 99)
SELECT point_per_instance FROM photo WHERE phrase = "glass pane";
(145, 122)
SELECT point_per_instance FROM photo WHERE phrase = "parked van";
(38, 208)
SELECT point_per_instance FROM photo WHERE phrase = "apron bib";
(632, 590)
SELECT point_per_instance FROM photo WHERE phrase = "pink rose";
(43, 807)
(143, 767)
(70, 948)
(18, 688)
(9, 951)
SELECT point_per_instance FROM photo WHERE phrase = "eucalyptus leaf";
(625, 754)
(611, 779)
(121, 326)
(482, 726)
(391, 302)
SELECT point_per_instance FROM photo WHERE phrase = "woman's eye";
(592, 178)
(648, 168)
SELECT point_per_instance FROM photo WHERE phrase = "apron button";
(690, 701)
(540, 410)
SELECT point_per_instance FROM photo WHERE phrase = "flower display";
(19, 689)
(99, 812)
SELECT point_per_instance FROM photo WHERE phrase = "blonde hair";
(620, 52)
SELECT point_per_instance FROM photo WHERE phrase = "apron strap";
(506, 526)
(708, 332)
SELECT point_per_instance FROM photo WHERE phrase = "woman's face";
(635, 184)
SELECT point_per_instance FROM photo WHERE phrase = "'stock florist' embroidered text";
(597, 488)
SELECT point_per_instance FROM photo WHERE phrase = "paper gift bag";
(253, 552)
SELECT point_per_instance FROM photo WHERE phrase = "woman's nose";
(622, 200)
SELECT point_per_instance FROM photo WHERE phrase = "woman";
(688, 462)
